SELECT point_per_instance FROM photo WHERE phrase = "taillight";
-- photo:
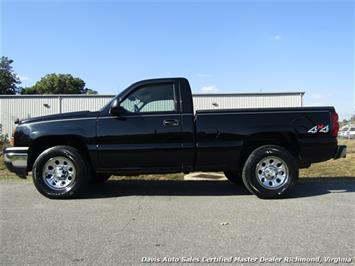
(335, 124)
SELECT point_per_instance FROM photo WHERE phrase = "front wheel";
(270, 172)
(60, 172)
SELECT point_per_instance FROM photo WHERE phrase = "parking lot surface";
(129, 222)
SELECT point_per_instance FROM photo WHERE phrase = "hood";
(81, 114)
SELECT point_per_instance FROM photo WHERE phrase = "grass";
(342, 168)
(178, 176)
(4, 173)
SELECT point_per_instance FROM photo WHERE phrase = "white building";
(247, 100)
(13, 107)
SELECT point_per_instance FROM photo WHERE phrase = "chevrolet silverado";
(151, 127)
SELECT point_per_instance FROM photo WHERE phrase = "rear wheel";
(270, 172)
(234, 177)
(60, 172)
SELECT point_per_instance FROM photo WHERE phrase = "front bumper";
(341, 152)
(15, 159)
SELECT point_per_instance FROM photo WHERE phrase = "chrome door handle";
(170, 122)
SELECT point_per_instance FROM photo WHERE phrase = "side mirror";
(115, 109)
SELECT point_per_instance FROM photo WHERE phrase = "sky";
(224, 47)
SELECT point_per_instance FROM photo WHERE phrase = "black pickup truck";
(151, 127)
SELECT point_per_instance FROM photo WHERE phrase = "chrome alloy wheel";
(59, 173)
(272, 172)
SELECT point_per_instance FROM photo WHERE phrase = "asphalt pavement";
(208, 222)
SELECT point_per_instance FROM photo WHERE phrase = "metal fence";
(13, 107)
(247, 100)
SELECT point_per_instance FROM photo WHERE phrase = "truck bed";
(224, 133)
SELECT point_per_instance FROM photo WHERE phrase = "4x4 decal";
(319, 128)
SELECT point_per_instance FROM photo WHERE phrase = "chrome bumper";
(15, 159)
(341, 152)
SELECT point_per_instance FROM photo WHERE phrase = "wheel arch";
(42, 143)
(287, 140)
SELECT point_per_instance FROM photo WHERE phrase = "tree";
(91, 91)
(8, 79)
(58, 84)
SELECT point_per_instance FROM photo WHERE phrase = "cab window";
(151, 99)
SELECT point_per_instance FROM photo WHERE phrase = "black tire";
(262, 187)
(98, 178)
(234, 177)
(77, 182)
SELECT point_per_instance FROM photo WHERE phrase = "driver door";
(146, 135)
